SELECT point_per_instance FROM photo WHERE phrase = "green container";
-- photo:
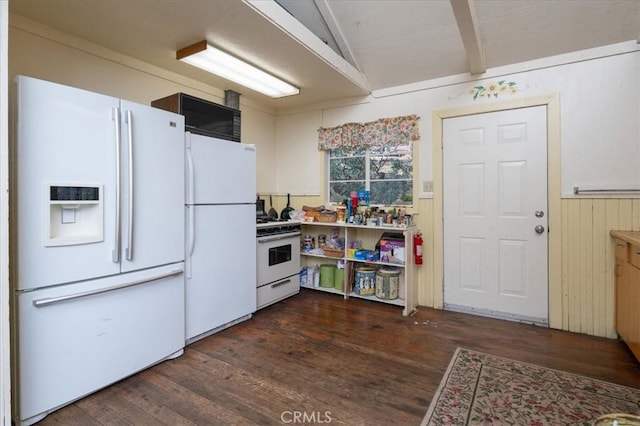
(326, 275)
(338, 278)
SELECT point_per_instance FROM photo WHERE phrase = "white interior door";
(495, 214)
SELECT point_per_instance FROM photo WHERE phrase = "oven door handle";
(278, 238)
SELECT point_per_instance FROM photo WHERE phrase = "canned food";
(365, 281)
(307, 243)
(387, 283)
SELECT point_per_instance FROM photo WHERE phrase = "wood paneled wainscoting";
(587, 260)
(332, 360)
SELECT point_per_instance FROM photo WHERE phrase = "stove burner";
(269, 219)
(272, 227)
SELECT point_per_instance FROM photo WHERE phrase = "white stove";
(278, 260)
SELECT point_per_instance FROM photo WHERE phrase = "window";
(385, 170)
(376, 156)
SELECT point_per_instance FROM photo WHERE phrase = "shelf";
(321, 256)
(397, 302)
(325, 289)
(351, 225)
(368, 236)
(368, 262)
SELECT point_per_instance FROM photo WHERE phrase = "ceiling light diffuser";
(209, 58)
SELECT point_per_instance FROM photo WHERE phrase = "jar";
(322, 240)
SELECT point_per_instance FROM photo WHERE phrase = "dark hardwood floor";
(316, 358)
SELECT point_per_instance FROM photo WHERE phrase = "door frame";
(552, 102)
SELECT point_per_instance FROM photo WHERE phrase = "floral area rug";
(478, 388)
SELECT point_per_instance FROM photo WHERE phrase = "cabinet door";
(627, 302)
(632, 284)
(623, 272)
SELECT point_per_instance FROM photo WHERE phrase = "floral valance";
(385, 131)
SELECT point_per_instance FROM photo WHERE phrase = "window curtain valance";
(385, 131)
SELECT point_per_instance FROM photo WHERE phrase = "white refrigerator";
(98, 243)
(220, 262)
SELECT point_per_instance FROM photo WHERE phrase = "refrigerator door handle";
(191, 232)
(190, 177)
(192, 229)
(129, 250)
(190, 194)
(39, 303)
(115, 253)
(191, 240)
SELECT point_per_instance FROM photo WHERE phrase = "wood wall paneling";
(588, 261)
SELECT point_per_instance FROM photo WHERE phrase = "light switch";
(427, 186)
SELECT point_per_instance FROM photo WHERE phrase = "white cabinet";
(368, 237)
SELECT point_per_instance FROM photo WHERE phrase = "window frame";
(368, 180)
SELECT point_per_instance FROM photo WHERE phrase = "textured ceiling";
(380, 43)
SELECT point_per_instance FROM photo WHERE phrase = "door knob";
(539, 229)
(539, 213)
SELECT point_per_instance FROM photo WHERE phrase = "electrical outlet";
(427, 186)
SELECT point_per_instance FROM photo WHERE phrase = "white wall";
(297, 155)
(599, 94)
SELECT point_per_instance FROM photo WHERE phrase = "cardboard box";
(392, 251)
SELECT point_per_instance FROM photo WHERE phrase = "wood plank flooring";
(317, 358)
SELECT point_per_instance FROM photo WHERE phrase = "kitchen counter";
(632, 237)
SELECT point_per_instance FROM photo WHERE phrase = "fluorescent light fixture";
(209, 58)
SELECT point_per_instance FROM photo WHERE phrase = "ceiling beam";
(290, 26)
(334, 29)
(465, 13)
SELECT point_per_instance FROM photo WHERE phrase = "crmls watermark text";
(293, 417)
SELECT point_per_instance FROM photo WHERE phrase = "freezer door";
(221, 270)
(220, 171)
(64, 136)
(153, 187)
(77, 338)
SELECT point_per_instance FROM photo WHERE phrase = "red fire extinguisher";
(417, 248)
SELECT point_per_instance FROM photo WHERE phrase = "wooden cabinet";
(368, 237)
(627, 281)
